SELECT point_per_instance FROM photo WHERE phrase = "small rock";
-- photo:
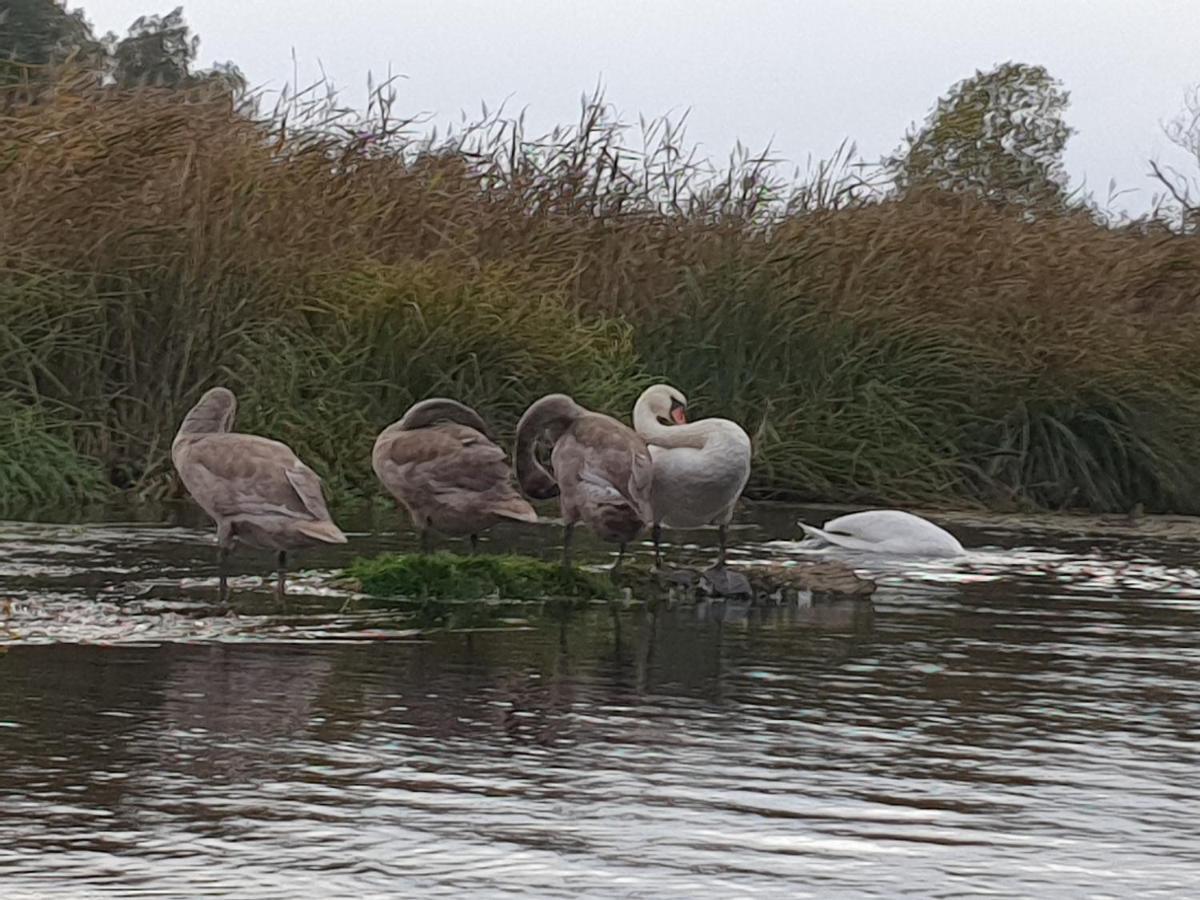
(684, 578)
(723, 582)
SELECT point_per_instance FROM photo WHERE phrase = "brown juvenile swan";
(256, 490)
(439, 462)
(602, 470)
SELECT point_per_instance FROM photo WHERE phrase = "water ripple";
(1019, 722)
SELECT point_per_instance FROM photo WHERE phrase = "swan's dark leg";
(474, 543)
(280, 584)
(222, 574)
(426, 540)
(225, 542)
(568, 534)
(724, 581)
(620, 558)
(656, 535)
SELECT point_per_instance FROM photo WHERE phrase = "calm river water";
(1022, 722)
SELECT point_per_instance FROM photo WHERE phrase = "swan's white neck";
(693, 434)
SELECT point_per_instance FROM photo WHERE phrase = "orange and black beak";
(678, 412)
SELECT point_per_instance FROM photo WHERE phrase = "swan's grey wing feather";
(307, 485)
(614, 454)
(642, 481)
(244, 475)
(446, 458)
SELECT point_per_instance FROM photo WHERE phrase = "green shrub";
(39, 467)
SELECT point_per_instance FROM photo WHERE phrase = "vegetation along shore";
(947, 327)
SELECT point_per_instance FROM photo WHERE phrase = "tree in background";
(158, 51)
(999, 134)
(1181, 206)
(40, 33)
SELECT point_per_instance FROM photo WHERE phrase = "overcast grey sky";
(803, 74)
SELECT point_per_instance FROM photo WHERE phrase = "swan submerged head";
(665, 404)
(886, 531)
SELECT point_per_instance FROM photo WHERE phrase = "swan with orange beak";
(700, 468)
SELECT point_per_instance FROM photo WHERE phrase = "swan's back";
(448, 474)
(259, 484)
(888, 531)
(599, 450)
(605, 473)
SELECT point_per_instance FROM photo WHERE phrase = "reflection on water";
(1021, 722)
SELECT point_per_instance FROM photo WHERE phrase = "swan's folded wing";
(847, 541)
(615, 456)
(307, 485)
(447, 459)
(641, 480)
(599, 487)
(246, 475)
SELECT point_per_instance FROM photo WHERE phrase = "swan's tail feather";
(812, 531)
(325, 532)
(516, 509)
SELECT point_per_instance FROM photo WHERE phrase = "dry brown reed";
(331, 268)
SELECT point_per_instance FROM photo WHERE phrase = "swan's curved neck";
(427, 412)
(213, 414)
(551, 415)
(693, 434)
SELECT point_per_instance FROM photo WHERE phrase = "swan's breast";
(694, 486)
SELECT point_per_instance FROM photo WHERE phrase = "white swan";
(887, 531)
(700, 468)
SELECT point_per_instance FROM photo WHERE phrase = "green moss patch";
(447, 576)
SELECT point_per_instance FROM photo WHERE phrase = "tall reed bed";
(332, 269)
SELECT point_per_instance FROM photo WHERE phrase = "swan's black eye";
(662, 421)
